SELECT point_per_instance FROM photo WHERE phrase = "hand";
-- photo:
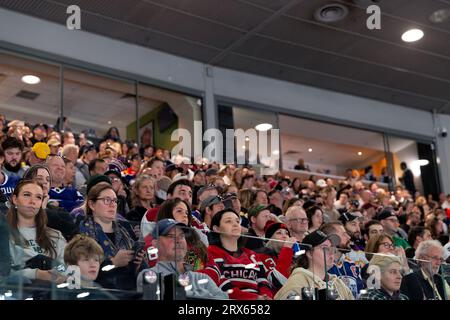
(139, 259)
(45, 201)
(122, 258)
(290, 242)
(400, 252)
(49, 275)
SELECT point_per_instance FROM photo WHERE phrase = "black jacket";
(252, 243)
(416, 287)
(59, 219)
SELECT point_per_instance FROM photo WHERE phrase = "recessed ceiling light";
(263, 127)
(30, 79)
(359, 153)
(309, 150)
(412, 35)
(422, 162)
(109, 122)
(440, 16)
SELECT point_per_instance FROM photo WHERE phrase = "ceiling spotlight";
(109, 122)
(412, 35)
(422, 162)
(263, 127)
(247, 139)
(440, 16)
(243, 147)
(30, 79)
(359, 153)
(309, 150)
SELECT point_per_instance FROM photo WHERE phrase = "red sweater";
(243, 273)
(282, 263)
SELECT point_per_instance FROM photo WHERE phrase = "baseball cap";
(211, 172)
(317, 237)
(94, 180)
(172, 167)
(253, 211)
(386, 213)
(41, 150)
(53, 142)
(208, 202)
(321, 183)
(347, 217)
(163, 227)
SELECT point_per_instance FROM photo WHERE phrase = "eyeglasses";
(388, 245)
(301, 220)
(174, 236)
(436, 258)
(107, 201)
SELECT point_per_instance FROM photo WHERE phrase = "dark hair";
(310, 212)
(374, 242)
(166, 209)
(369, 224)
(11, 143)
(94, 193)
(330, 227)
(415, 232)
(215, 221)
(255, 194)
(180, 182)
(43, 233)
(152, 161)
(93, 163)
(32, 171)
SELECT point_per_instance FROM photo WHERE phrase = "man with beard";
(344, 267)
(357, 243)
(7, 183)
(13, 149)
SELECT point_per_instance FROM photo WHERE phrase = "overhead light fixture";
(309, 150)
(243, 147)
(109, 122)
(440, 16)
(247, 139)
(330, 13)
(359, 153)
(412, 35)
(422, 162)
(30, 79)
(263, 127)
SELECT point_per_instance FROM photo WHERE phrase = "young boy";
(86, 253)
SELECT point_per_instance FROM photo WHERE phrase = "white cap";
(321, 183)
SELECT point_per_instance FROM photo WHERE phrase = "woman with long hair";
(116, 237)
(33, 244)
(142, 198)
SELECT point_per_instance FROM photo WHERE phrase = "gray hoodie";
(206, 289)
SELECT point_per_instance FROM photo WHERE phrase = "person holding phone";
(116, 237)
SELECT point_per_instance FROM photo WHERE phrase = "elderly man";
(169, 238)
(426, 283)
(297, 222)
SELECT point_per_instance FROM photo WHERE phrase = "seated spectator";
(426, 283)
(301, 165)
(435, 225)
(372, 229)
(315, 218)
(390, 268)
(277, 254)
(54, 144)
(297, 222)
(135, 167)
(13, 149)
(38, 153)
(235, 270)
(142, 198)
(351, 224)
(35, 248)
(116, 237)
(413, 220)
(57, 218)
(258, 216)
(88, 153)
(260, 197)
(209, 207)
(345, 267)
(86, 253)
(69, 177)
(7, 183)
(292, 202)
(155, 168)
(276, 199)
(61, 196)
(169, 237)
(311, 270)
(415, 236)
(389, 221)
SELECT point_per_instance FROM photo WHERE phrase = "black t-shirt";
(111, 236)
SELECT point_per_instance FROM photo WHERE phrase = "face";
(434, 255)
(391, 278)
(317, 219)
(390, 224)
(28, 201)
(90, 155)
(13, 156)
(261, 198)
(321, 253)
(343, 198)
(172, 246)
(236, 204)
(70, 172)
(229, 226)
(116, 182)
(157, 169)
(70, 139)
(207, 194)
(104, 208)
(180, 213)
(200, 179)
(43, 177)
(100, 168)
(375, 230)
(297, 221)
(57, 168)
(353, 229)
(344, 236)
(281, 234)
(261, 219)
(216, 208)
(386, 246)
(89, 266)
(276, 199)
(146, 190)
(426, 235)
(183, 192)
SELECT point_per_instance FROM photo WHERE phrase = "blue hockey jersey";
(9, 184)
(68, 198)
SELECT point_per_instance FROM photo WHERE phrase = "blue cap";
(164, 226)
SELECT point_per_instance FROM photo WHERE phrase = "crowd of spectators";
(127, 215)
